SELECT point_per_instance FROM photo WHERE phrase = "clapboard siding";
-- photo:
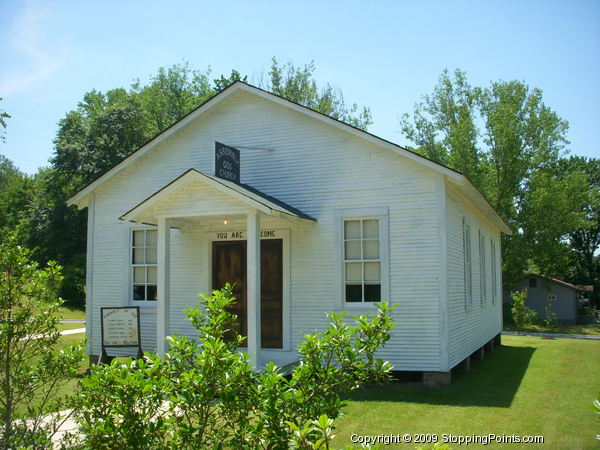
(470, 326)
(314, 167)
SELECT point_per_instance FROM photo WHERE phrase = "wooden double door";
(229, 266)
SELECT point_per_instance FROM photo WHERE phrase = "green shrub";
(551, 319)
(522, 315)
(206, 394)
(31, 374)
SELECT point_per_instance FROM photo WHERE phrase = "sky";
(381, 54)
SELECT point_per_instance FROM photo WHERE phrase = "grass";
(70, 312)
(71, 385)
(589, 329)
(529, 386)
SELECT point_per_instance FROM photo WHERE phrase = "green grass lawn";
(69, 312)
(71, 385)
(589, 329)
(529, 386)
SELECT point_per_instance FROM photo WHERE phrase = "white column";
(253, 290)
(163, 315)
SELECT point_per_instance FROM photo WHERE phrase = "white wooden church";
(306, 215)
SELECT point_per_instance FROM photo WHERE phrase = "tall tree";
(511, 157)
(443, 126)
(585, 241)
(3, 116)
(15, 196)
(299, 85)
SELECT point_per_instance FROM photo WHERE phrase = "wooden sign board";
(121, 326)
(227, 162)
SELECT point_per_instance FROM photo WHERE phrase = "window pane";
(353, 293)
(371, 249)
(352, 229)
(151, 292)
(139, 275)
(352, 249)
(138, 292)
(138, 238)
(151, 274)
(151, 238)
(372, 292)
(371, 229)
(151, 256)
(353, 272)
(138, 256)
(372, 272)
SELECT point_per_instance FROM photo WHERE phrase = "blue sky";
(384, 55)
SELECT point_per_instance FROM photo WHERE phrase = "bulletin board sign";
(121, 328)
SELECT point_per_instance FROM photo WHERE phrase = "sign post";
(227, 162)
(120, 327)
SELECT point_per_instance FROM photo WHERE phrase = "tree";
(15, 196)
(3, 116)
(30, 372)
(508, 143)
(585, 241)
(298, 85)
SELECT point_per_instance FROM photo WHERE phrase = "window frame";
(493, 268)
(131, 267)
(482, 269)
(342, 215)
(467, 262)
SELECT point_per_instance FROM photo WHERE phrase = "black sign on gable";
(227, 162)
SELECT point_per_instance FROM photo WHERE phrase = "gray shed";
(543, 291)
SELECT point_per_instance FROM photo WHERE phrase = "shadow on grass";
(491, 382)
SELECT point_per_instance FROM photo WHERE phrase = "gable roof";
(242, 192)
(462, 182)
(553, 280)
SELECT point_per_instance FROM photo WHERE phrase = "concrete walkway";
(63, 333)
(552, 335)
(73, 331)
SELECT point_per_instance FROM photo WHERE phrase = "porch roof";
(242, 192)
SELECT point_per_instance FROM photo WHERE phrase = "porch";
(246, 236)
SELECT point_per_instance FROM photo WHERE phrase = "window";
(362, 264)
(533, 282)
(143, 264)
(493, 266)
(467, 262)
(482, 273)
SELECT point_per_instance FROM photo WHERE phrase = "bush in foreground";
(31, 374)
(206, 394)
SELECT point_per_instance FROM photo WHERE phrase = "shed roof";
(554, 280)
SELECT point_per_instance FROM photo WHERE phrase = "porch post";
(253, 291)
(163, 316)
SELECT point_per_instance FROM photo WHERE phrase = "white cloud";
(29, 40)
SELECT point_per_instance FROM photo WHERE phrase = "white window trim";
(494, 266)
(467, 268)
(129, 265)
(482, 268)
(380, 213)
